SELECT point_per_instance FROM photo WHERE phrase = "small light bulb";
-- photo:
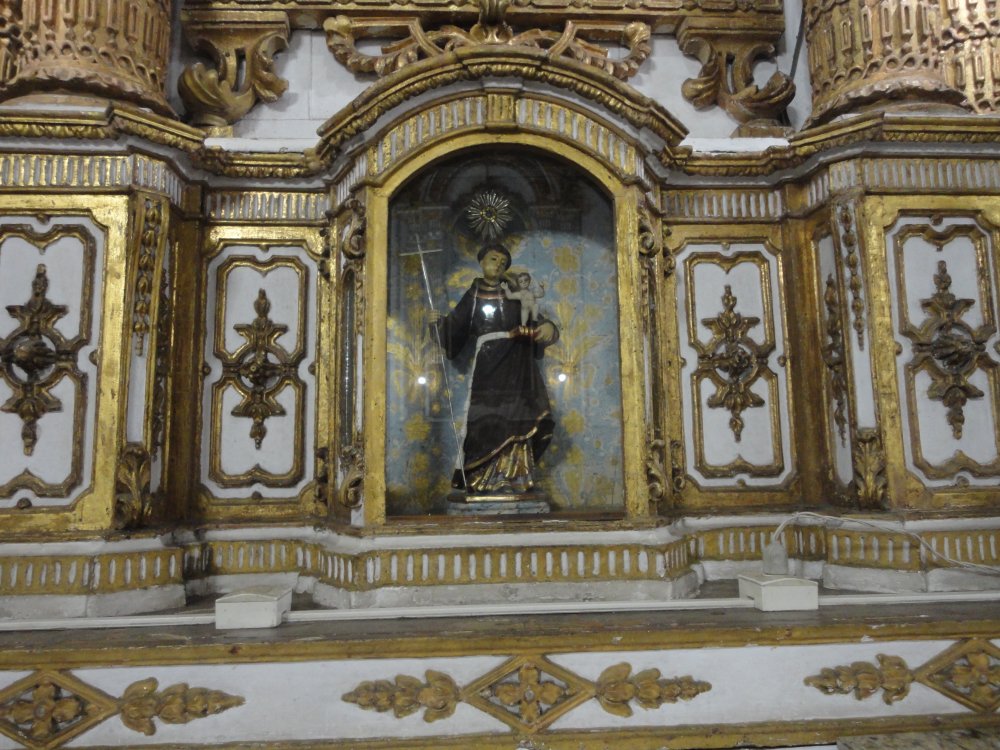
(422, 380)
(488, 310)
(562, 377)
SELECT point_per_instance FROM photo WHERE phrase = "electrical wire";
(924, 544)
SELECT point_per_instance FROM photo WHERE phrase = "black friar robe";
(508, 403)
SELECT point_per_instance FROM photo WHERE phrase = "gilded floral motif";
(863, 679)
(438, 696)
(616, 688)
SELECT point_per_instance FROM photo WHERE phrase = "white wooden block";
(253, 607)
(779, 593)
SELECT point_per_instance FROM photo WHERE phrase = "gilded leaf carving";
(863, 679)
(616, 688)
(178, 704)
(834, 356)
(437, 696)
(243, 74)
(726, 79)
(870, 481)
(133, 500)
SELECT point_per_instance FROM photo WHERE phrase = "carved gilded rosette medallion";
(874, 53)
(114, 50)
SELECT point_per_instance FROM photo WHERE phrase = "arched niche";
(425, 187)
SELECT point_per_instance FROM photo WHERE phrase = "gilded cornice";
(110, 124)
(879, 128)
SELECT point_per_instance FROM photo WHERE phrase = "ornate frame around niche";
(512, 120)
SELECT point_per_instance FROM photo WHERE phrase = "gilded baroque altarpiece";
(221, 364)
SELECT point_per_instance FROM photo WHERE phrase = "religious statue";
(508, 422)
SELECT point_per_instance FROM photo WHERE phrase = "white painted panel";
(284, 287)
(66, 271)
(757, 444)
(758, 683)
(137, 400)
(912, 273)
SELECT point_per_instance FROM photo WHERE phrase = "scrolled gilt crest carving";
(577, 41)
(870, 481)
(243, 74)
(949, 350)
(732, 361)
(352, 236)
(726, 79)
(353, 465)
(863, 679)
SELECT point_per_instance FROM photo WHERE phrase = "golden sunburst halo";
(489, 213)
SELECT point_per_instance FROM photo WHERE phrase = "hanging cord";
(970, 566)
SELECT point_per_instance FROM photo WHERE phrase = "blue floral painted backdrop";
(560, 231)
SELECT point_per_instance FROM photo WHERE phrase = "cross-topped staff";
(420, 253)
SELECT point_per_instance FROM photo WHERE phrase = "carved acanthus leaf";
(133, 500)
(575, 40)
(219, 96)
(863, 679)
(870, 481)
(726, 79)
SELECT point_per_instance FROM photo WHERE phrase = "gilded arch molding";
(471, 64)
